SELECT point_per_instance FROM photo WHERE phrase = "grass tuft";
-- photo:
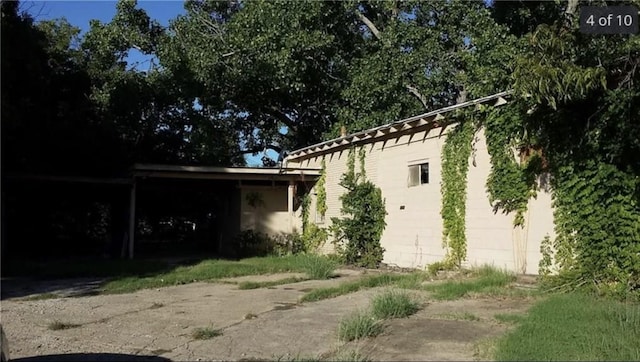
(575, 327)
(206, 333)
(257, 285)
(318, 267)
(359, 325)
(485, 279)
(58, 325)
(393, 304)
(369, 281)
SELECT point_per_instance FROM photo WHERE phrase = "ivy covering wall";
(455, 166)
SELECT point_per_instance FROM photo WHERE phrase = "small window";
(418, 174)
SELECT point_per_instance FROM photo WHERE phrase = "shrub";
(357, 236)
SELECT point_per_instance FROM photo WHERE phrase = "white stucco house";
(403, 158)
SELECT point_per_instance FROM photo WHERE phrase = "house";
(403, 158)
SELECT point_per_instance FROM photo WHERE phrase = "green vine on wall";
(314, 236)
(321, 192)
(510, 184)
(455, 164)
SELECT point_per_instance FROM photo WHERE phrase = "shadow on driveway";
(91, 357)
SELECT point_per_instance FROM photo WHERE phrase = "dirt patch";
(255, 324)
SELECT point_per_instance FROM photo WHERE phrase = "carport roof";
(224, 173)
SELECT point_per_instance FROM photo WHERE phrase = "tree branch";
(413, 90)
(258, 149)
(283, 117)
(369, 24)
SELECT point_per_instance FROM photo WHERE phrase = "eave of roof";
(419, 122)
(222, 173)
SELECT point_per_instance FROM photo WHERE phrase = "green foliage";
(371, 281)
(510, 185)
(359, 325)
(321, 191)
(574, 327)
(252, 243)
(580, 105)
(206, 333)
(455, 164)
(598, 228)
(485, 279)
(318, 267)
(357, 236)
(393, 304)
(313, 236)
(546, 262)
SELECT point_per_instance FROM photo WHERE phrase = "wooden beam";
(500, 101)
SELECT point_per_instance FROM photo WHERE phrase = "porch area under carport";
(237, 199)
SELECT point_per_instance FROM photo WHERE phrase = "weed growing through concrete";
(256, 285)
(393, 304)
(359, 325)
(318, 267)
(58, 325)
(206, 333)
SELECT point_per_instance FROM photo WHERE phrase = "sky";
(80, 13)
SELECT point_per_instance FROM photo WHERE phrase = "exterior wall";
(491, 237)
(413, 235)
(272, 217)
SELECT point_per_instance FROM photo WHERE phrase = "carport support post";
(132, 217)
(290, 192)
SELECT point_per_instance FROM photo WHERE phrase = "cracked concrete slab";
(265, 323)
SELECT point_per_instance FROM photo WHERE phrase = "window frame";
(415, 173)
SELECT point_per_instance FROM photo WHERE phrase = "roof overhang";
(426, 121)
(224, 173)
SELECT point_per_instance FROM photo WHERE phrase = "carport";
(264, 199)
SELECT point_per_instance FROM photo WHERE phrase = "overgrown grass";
(393, 304)
(209, 270)
(359, 325)
(510, 318)
(575, 327)
(58, 325)
(486, 279)
(318, 267)
(206, 333)
(267, 284)
(369, 281)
